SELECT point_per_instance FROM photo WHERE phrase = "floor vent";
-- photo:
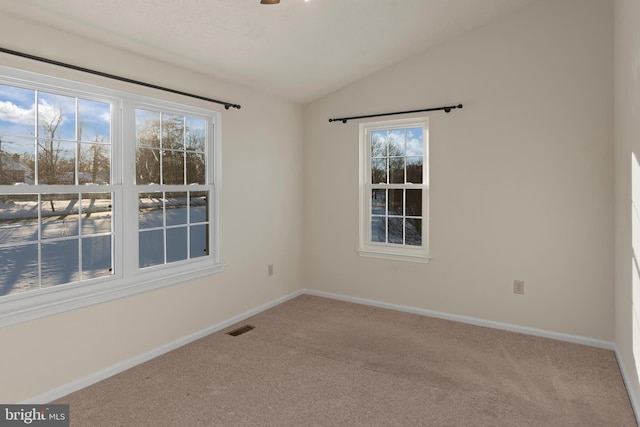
(241, 330)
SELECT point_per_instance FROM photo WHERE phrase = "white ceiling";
(298, 50)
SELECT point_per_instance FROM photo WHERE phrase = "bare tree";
(50, 149)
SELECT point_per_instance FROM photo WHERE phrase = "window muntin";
(173, 226)
(170, 149)
(62, 142)
(394, 189)
(58, 236)
(48, 138)
(51, 239)
(171, 154)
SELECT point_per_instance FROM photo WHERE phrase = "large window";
(394, 189)
(101, 193)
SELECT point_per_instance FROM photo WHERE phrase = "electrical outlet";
(270, 270)
(518, 287)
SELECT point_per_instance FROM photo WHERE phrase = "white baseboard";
(471, 320)
(112, 370)
(130, 363)
(633, 398)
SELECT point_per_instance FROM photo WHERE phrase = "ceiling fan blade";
(269, 1)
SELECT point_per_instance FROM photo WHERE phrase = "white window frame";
(128, 278)
(366, 247)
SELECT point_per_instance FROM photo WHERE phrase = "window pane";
(396, 170)
(396, 202)
(18, 269)
(96, 257)
(17, 115)
(414, 170)
(56, 116)
(148, 128)
(176, 244)
(379, 143)
(395, 230)
(413, 231)
(196, 133)
(150, 210)
(176, 208)
(56, 162)
(17, 160)
(60, 263)
(147, 166)
(379, 171)
(199, 235)
(18, 218)
(396, 142)
(60, 215)
(94, 164)
(94, 121)
(97, 212)
(198, 207)
(378, 229)
(172, 167)
(173, 131)
(196, 168)
(379, 202)
(414, 203)
(151, 244)
(414, 142)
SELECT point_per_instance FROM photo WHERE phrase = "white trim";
(128, 279)
(470, 320)
(385, 255)
(119, 367)
(576, 339)
(366, 247)
(62, 300)
(633, 398)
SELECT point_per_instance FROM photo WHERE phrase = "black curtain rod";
(446, 110)
(227, 105)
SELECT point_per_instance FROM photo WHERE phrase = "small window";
(394, 189)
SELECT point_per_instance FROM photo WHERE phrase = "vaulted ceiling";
(300, 50)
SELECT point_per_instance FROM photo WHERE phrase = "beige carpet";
(318, 362)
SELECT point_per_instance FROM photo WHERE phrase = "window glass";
(394, 193)
(66, 180)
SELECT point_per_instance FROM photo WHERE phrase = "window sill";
(417, 258)
(31, 306)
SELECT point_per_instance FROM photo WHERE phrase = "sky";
(18, 106)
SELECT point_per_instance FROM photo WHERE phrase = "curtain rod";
(446, 110)
(227, 105)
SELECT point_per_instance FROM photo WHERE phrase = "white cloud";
(414, 147)
(48, 113)
(9, 112)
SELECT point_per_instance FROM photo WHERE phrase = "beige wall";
(521, 177)
(627, 141)
(521, 188)
(261, 225)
